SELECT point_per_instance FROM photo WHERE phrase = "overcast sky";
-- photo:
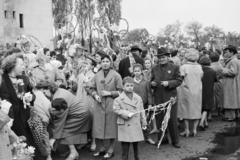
(155, 14)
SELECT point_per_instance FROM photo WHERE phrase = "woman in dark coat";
(209, 77)
(12, 89)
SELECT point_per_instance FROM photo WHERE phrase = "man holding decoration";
(165, 79)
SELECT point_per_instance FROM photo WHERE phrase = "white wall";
(37, 18)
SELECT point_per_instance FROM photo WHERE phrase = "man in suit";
(126, 64)
(165, 79)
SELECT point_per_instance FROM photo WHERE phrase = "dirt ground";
(191, 148)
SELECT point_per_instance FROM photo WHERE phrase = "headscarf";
(41, 57)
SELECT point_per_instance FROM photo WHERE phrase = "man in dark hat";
(165, 80)
(126, 64)
(230, 83)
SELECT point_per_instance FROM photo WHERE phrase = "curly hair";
(9, 63)
(42, 85)
(192, 55)
(52, 87)
(13, 51)
(59, 104)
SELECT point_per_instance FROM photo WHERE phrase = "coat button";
(128, 124)
(5, 131)
(8, 145)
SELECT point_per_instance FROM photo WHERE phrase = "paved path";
(190, 147)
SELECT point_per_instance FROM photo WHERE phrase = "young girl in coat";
(130, 120)
(142, 88)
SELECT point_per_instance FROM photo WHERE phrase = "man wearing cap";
(165, 79)
(230, 83)
(126, 64)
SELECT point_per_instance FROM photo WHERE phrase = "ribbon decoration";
(158, 109)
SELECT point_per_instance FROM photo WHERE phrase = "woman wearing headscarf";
(190, 92)
(105, 87)
(42, 69)
(71, 118)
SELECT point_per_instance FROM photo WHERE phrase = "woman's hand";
(52, 141)
(97, 98)
(105, 93)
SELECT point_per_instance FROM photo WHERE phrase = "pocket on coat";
(120, 121)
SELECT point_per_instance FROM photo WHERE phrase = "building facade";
(28, 17)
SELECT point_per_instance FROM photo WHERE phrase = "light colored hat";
(192, 55)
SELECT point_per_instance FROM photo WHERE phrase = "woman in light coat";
(190, 92)
(105, 87)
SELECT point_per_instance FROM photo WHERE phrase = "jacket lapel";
(167, 71)
(10, 88)
(159, 72)
(126, 100)
(109, 76)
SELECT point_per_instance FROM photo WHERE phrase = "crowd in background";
(82, 98)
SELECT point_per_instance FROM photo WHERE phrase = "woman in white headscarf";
(42, 69)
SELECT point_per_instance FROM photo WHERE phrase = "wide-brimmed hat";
(233, 48)
(134, 48)
(162, 52)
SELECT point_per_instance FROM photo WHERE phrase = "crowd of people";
(80, 98)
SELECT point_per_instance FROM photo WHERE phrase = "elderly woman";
(42, 69)
(105, 87)
(72, 118)
(190, 92)
(12, 89)
(209, 77)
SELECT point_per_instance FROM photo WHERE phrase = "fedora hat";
(162, 52)
(232, 48)
(134, 48)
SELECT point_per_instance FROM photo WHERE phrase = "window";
(5, 14)
(21, 20)
(13, 14)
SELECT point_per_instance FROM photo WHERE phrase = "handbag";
(4, 119)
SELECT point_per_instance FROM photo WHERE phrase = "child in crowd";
(142, 88)
(130, 120)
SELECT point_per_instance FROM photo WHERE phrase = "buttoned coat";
(7, 137)
(163, 94)
(104, 118)
(129, 129)
(231, 84)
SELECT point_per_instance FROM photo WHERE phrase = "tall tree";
(136, 36)
(111, 9)
(213, 31)
(194, 29)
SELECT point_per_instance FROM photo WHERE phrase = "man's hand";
(164, 83)
(153, 84)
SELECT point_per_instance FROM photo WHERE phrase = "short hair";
(128, 79)
(205, 61)
(147, 59)
(174, 53)
(59, 104)
(137, 65)
(45, 50)
(42, 85)
(53, 87)
(12, 51)
(231, 50)
(214, 56)
(9, 63)
(52, 53)
(191, 55)
(106, 56)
